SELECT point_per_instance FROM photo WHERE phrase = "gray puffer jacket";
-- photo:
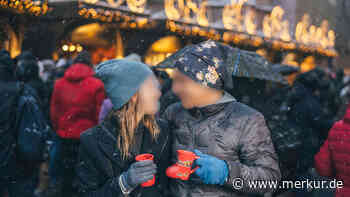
(230, 131)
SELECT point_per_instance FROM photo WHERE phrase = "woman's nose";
(159, 93)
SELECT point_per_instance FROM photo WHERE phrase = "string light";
(27, 6)
(79, 48)
(65, 47)
(72, 48)
(240, 27)
(275, 29)
(124, 21)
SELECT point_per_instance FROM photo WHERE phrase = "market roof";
(239, 22)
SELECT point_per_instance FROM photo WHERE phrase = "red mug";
(183, 167)
(144, 157)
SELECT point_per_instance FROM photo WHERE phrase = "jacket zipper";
(164, 145)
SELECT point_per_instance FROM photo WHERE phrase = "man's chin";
(186, 106)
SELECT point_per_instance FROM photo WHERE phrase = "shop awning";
(238, 22)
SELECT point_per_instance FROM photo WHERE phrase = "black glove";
(139, 172)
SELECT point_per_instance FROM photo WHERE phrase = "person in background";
(46, 70)
(61, 66)
(107, 165)
(333, 158)
(28, 72)
(75, 105)
(16, 176)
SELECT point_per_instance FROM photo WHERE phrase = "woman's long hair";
(129, 117)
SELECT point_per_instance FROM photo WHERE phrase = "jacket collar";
(210, 110)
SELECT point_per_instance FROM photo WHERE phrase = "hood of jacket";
(78, 72)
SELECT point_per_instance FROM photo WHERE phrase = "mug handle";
(196, 168)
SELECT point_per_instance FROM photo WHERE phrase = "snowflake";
(216, 62)
(200, 76)
(199, 49)
(186, 68)
(182, 59)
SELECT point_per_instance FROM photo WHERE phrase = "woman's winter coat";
(101, 163)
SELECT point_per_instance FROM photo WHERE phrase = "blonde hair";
(129, 117)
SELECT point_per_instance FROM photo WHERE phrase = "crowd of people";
(75, 129)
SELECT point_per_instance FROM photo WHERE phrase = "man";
(16, 176)
(230, 138)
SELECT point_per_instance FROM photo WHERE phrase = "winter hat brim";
(122, 79)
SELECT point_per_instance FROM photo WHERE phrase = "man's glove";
(139, 172)
(211, 170)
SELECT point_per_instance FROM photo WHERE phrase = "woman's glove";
(211, 170)
(139, 172)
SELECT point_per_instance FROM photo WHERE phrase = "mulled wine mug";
(144, 157)
(183, 167)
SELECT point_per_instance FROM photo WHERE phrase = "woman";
(333, 159)
(107, 165)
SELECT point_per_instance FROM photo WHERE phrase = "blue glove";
(211, 170)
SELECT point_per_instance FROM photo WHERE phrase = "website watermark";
(239, 184)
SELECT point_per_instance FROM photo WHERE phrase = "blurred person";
(332, 159)
(75, 105)
(107, 165)
(17, 174)
(231, 139)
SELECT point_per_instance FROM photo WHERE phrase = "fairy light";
(27, 6)
(65, 47)
(240, 24)
(79, 48)
(72, 48)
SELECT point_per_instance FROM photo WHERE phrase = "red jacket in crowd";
(333, 160)
(76, 101)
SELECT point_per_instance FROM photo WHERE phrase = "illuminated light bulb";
(195, 30)
(115, 3)
(232, 17)
(142, 22)
(82, 11)
(65, 47)
(227, 37)
(201, 15)
(133, 25)
(91, 1)
(72, 48)
(79, 48)
(137, 5)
